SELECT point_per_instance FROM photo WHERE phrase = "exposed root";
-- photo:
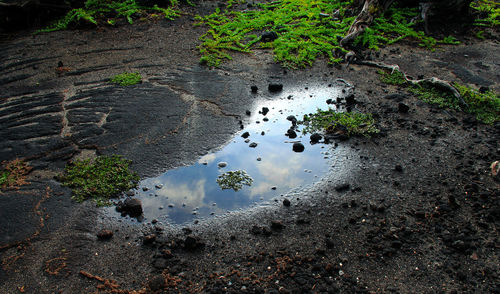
(438, 83)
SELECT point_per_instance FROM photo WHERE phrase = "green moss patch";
(305, 31)
(330, 121)
(127, 79)
(488, 12)
(108, 12)
(234, 180)
(100, 179)
(484, 105)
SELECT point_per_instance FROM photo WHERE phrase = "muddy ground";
(418, 213)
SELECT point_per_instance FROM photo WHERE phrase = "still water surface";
(186, 193)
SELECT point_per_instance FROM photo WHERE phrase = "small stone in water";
(222, 164)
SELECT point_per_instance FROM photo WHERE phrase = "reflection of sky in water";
(192, 191)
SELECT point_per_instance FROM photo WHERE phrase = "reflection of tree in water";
(234, 180)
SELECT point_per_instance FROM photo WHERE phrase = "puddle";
(187, 193)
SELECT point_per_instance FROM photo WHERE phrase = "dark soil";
(418, 213)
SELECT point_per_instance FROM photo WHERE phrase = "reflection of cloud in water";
(276, 170)
(192, 193)
(208, 159)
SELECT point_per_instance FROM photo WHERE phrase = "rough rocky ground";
(419, 214)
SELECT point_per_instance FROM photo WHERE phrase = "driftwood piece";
(438, 83)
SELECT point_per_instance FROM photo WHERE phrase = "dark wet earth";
(411, 210)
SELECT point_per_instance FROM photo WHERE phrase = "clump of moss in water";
(100, 179)
(127, 79)
(484, 105)
(13, 173)
(330, 121)
(234, 180)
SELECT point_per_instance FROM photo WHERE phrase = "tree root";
(433, 81)
(370, 9)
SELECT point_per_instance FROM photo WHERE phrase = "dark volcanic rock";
(149, 239)
(350, 100)
(277, 225)
(291, 134)
(268, 36)
(315, 138)
(130, 206)
(253, 145)
(286, 202)
(342, 187)
(292, 118)
(265, 110)
(403, 108)
(192, 243)
(275, 88)
(157, 283)
(254, 89)
(298, 147)
(105, 234)
(245, 135)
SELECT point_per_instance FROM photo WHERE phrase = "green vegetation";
(97, 10)
(13, 173)
(100, 179)
(485, 106)
(234, 180)
(393, 78)
(330, 121)
(488, 12)
(305, 31)
(432, 95)
(127, 79)
(396, 24)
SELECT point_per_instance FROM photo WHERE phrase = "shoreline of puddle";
(191, 193)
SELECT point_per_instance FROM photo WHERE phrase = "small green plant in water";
(234, 180)
(100, 179)
(352, 123)
(127, 79)
(13, 173)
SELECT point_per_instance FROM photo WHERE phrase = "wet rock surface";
(420, 213)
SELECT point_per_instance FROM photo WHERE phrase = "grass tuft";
(127, 79)
(100, 179)
(354, 123)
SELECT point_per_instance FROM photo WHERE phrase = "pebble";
(252, 145)
(298, 147)
(104, 234)
(222, 164)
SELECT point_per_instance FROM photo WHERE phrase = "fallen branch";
(438, 83)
